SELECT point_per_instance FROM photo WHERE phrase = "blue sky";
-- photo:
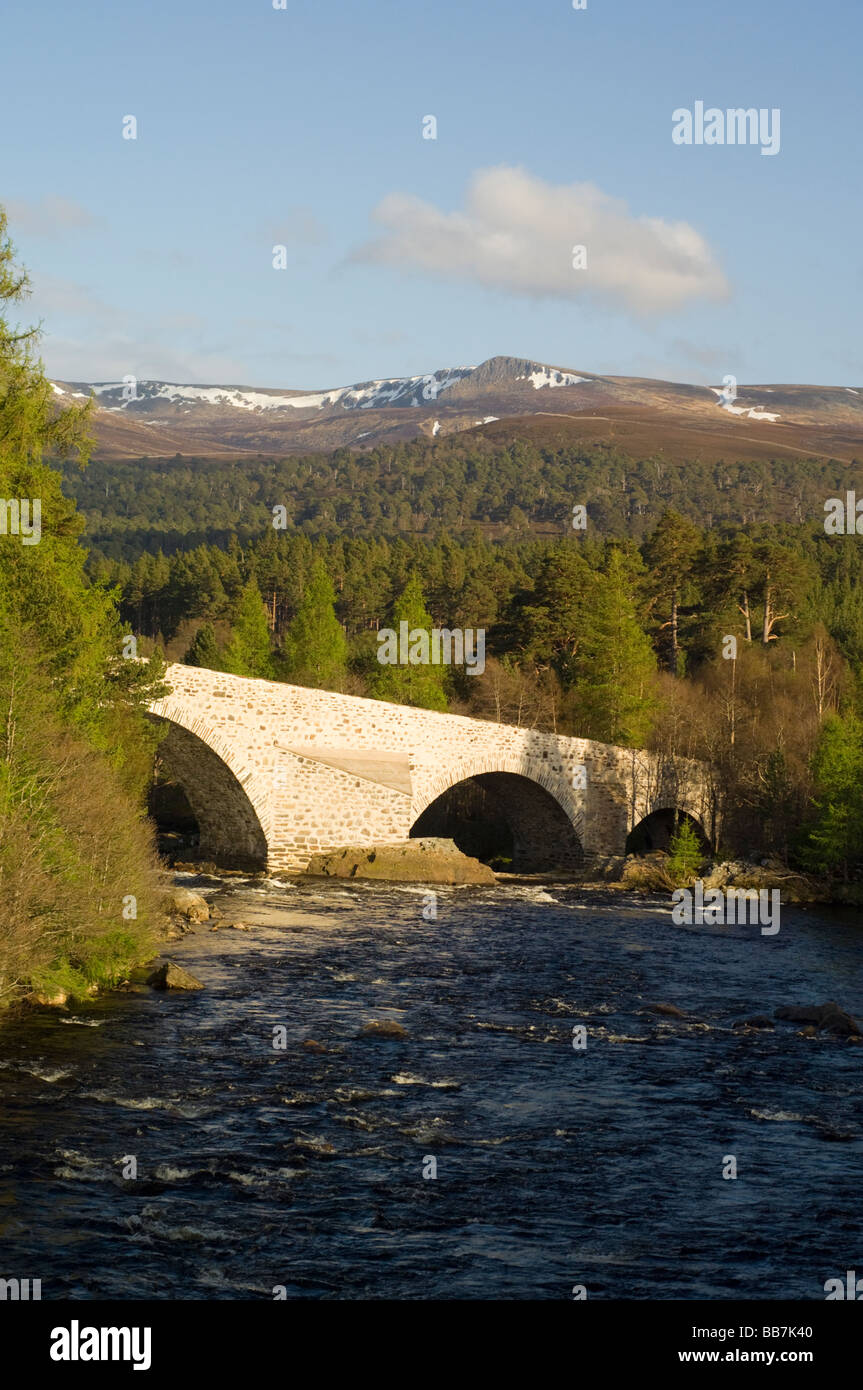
(303, 127)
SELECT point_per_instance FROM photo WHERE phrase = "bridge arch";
(504, 809)
(232, 817)
(654, 831)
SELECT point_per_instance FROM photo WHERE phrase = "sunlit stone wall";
(294, 771)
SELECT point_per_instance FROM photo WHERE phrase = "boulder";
(608, 868)
(756, 1021)
(769, 874)
(429, 860)
(171, 976)
(827, 1017)
(185, 903)
(43, 1000)
(647, 873)
(667, 1010)
(717, 875)
(383, 1028)
(840, 1023)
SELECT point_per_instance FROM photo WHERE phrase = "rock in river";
(383, 1028)
(667, 1010)
(185, 903)
(828, 1017)
(171, 976)
(429, 860)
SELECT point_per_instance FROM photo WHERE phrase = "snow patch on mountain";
(208, 395)
(548, 376)
(59, 391)
(752, 412)
(367, 395)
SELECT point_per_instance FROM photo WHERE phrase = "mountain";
(508, 396)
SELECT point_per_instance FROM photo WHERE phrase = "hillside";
(506, 396)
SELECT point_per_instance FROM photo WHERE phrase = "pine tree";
(546, 626)
(423, 686)
(316, 649)
(670, 554)
(835, 837)
(614, 696)
(248, 651)
(75, 747)
(204, 650)
(684, 852)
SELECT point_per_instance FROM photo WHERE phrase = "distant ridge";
(166, 418)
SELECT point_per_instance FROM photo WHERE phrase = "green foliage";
(614, 697)
(684, 853)
(204, 649)
(669, 555)
(547, 623)
(76, 853)
(316, 650)
(75, 747)
(248, 651)
(834, 841)
(423, 686)
(448, 485)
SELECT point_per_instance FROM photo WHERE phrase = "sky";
(305, 127)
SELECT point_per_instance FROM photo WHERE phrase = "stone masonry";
(276, 773)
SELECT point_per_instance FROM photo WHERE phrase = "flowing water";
(556, 1166)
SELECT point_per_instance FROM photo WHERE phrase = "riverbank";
(428, 865)
(650, 874)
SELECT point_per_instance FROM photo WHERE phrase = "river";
(302, 1169)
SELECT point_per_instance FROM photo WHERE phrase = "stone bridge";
(275, 773)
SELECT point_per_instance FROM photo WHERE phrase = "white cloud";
(299, 227)
(517, 233)
(49, 217)
(117, 355)
(85, 339)
(706, 355)
(53, 297)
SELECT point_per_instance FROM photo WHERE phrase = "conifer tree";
(835, 838)
(684, 852)
(614, 696)
(423, 686)
(316, 649)
(75, 747)
(670, 555)
(248, 651)
(204, 650)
